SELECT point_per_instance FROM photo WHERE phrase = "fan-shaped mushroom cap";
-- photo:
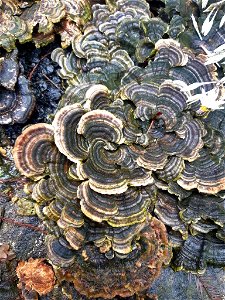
(118, 210)
(69, 142)
(198, 251)
(170, 50)
(119, 239)
(205, 174)
(144, 96)
(59, 251)
(33, 149)
(203, 226)
(172, 169)
(71, 215)
(209, 207)
(101, 124)
(167, 210)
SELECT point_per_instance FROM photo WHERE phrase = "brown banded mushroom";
(34, 149)
(167, 210)
(204, 226)
(118, 210)
(210, 208)
(205, 174)
(122, 133)
(199, 250)
(59, 251)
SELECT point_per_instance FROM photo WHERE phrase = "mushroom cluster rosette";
(126, 143)
(91, 187)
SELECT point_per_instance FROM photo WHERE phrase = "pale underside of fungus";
(126, 143)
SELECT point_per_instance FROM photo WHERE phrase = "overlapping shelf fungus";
(39, 21)
(127, 144)
(16, 98)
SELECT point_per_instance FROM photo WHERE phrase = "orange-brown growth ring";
(121, 277)
(36, 275)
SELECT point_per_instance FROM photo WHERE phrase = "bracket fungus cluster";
(127, 143)
(36, 20)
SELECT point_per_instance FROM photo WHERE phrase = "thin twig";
(9, 220)
(153, 120)
(36, 66)
(11, 180)
(212, 290)
(52, 82)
